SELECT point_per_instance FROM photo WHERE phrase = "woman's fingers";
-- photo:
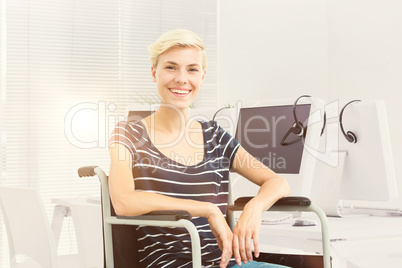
(235, 248)
(223, 235)
(248, 248)
(226, 242)
(245, 248)
(243, 242)
(256, 246)
(242, 248)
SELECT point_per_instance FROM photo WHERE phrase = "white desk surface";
(341, 228)
(360, 241)
(80, 199)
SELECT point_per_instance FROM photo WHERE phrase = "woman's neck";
(170, 119)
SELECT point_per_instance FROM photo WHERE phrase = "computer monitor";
(366, 169)
(262, 125)
(369, 172)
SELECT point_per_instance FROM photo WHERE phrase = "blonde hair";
(176, 38)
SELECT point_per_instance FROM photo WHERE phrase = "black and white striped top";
(206, 181)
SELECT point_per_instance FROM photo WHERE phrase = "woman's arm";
(128, 202)
(272, 188)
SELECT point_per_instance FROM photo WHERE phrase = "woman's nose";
(181, 77)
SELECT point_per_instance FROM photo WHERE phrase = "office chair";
(29, 233)
(88, 230)
(181, 219)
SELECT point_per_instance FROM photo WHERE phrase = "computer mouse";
(304, 222)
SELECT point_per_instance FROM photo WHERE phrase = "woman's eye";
(193, 70)
(169, 67)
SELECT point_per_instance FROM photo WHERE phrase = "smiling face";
(179, 75)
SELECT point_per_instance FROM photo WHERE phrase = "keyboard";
(372, 210)
(279, 218)
(272, 218)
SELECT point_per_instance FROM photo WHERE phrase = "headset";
(216, 113)
(298, 128)
(214, 124)
(350, 136)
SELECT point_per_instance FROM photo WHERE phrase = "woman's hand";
(272, 188)
(247, 229)
(222, 233)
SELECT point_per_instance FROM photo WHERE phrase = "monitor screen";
(260, 131)
(263, 124)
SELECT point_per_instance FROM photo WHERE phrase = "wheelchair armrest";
(87, 171)
(292, 203)
(300, 201)
(161, 215)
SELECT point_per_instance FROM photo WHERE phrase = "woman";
(167, 161)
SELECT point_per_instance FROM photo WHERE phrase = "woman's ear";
(153, 71)
(202, 79)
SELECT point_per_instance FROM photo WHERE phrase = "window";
(69, 70)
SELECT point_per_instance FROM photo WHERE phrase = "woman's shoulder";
(129, 134)
(214, 132)
(130, 125)
(129, 129)
(207, 125)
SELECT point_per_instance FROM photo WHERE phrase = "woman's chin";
(175, 105)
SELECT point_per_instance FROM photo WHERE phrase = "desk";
(355, 242)
(358, 242)
(87, 218)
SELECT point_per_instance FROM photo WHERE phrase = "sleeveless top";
(206, 181)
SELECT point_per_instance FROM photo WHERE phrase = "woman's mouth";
(180, 92)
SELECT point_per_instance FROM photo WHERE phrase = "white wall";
(334, 49)
(272, 49)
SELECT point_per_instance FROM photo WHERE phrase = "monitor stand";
(327, 186)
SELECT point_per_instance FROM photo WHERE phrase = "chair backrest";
(28, 228)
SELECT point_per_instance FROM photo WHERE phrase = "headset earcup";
(300, 128)
(351, 137)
